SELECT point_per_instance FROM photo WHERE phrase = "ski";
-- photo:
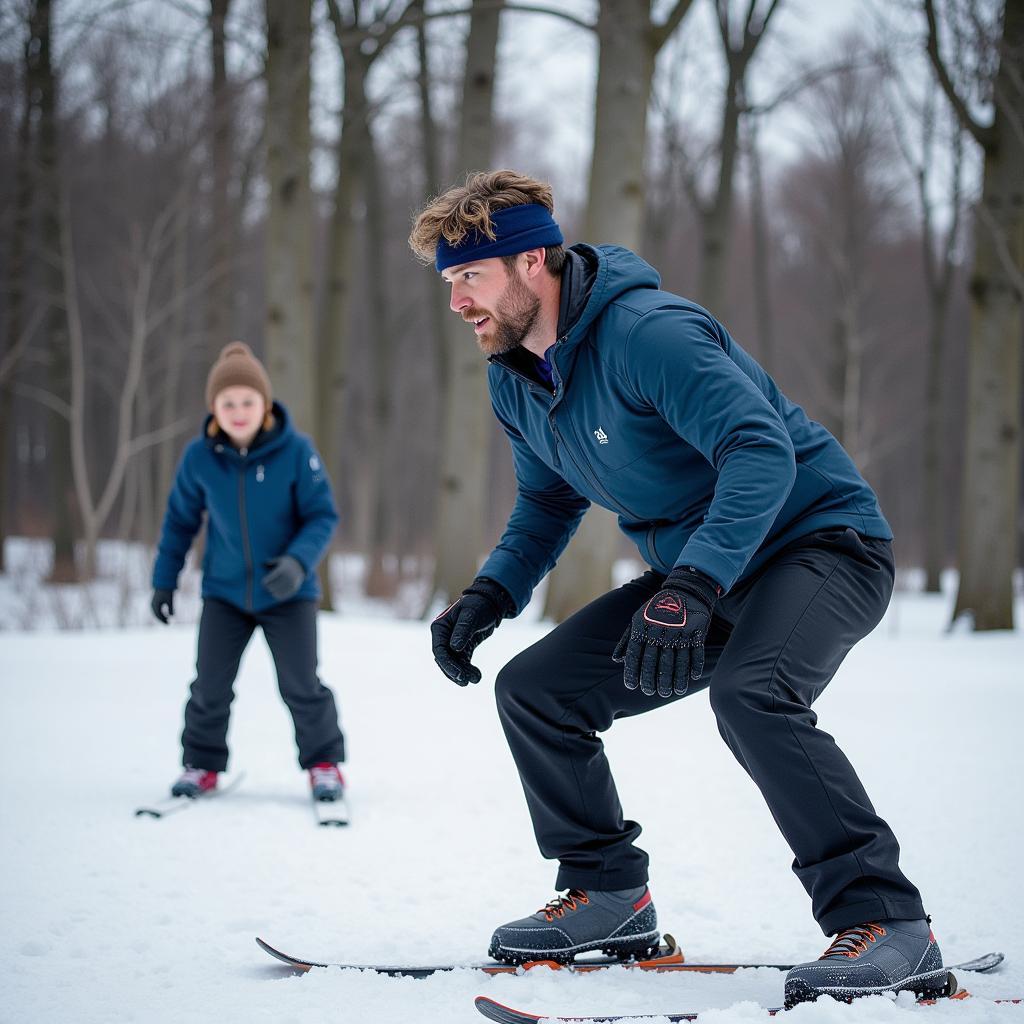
(331, 813)
(502, 1014)
(174, 804)
(668, 958)
(667, 954)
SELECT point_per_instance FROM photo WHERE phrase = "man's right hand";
(162, 604)
(459, 629)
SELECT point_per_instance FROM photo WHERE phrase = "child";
(270, 515)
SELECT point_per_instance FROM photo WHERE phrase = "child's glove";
(162, 604)
(458, 630)
(285, 577)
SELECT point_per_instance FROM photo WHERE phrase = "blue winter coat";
(660, 416)
(272, 500)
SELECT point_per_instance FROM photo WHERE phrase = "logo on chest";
(602, 437)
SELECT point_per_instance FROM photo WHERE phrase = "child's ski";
(174, 804)
(333, 813)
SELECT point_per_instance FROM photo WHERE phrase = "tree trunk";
(220, 300)
(170, 396)
(615, 207)
(716, 216)
(332, 365)
(990, 504)
(761, 260)
(431, 185)
(289, 281)
(615, 212)
(463, 473)
(16, 278)
(381, 579)
(716, 219)
(934, 446)
(44, 84)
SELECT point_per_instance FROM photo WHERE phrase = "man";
(769, 556)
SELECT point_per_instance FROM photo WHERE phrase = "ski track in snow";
(108, 918)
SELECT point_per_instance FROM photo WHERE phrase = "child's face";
(239, 411)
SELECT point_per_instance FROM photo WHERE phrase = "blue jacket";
(658, 415)
(271, 500)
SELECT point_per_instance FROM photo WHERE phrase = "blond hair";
(467, 208)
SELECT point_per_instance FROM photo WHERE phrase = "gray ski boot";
(882, 956)
(621, 923)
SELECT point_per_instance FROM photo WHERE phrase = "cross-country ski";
(668, 960)
(502, 1014)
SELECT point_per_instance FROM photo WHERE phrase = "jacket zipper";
(582, 465)
(245, 532)
(583, 468)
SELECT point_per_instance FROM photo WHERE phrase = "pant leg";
(290, 630)
(224, 631)
(793, 626)
(553, 699)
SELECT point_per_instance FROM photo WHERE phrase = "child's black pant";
(224, 632)
(774, 643)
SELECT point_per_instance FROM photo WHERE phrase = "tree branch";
(983, 135)
(661, 34)
(14, 353)
(158, 436)
(47, 398)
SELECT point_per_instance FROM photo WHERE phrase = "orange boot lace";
(851, 942)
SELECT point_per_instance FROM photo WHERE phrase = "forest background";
(840, 182)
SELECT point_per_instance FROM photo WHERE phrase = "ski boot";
(326, 782)
(620, 923)
(881, 956)
(194, 782)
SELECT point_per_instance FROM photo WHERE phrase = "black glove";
(456, 633)
(162, 604)
(663, 649)
(285, 577)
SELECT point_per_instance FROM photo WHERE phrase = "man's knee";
(737, 700)
(516, 680)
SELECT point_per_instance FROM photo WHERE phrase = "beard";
(515, 316)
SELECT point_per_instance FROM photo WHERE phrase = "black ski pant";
(774, 643)
(290, 630)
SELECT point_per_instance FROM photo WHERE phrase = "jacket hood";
(265, 441)
(611, 271)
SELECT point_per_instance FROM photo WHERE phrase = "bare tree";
(145, 258)
(940, 246)
(629, 45)
(43, 84)
(990, 503)
(462, 485)
(17, 336)
(761, 254)
(219, 305)
(289, 231)
(741, 38)
(843, 201)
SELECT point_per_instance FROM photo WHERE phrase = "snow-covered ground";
(109, 918)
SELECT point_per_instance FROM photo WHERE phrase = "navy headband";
(516, 229)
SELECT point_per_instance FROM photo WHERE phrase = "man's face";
(499, 304)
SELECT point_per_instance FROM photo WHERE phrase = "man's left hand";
(663, 649)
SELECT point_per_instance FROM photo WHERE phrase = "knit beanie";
(236, 366)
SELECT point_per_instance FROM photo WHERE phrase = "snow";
(109, 918)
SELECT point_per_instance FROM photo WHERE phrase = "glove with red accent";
(458, 631)
(663, 649)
